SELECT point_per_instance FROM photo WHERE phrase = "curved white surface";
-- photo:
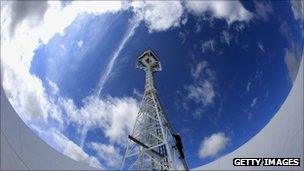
(21, 149)
(281, 137)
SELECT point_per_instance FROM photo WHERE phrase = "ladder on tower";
(151, 145)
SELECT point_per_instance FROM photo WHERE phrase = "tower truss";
(151, 145)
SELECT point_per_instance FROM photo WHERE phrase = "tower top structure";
(148, 60)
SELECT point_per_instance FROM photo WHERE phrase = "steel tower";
(152, 144)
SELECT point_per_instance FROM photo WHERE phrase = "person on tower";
(179, 145)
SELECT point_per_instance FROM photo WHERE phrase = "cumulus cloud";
(231, 11)
(33, 27)
(213, 145)
(108, 153)
(157, 15)
(50, 24)
(30, 11)
(55, 112)
(35, 23)
(115, 115)
(24, 27)
(25, 90)
(29, 36)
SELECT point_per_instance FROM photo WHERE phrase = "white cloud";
(31, 11)
(297, 8)
(211, 146)
(231, 11)
(202, 93)
(123, 113)
(137, 93)
(108, 153)
(79, 43)
(253, 103)
(198, 70)
(157, 15)
(25, 90)
(298, 12)
(248, 86)
(293, 53)
(258, 74)
(183, 36)
(53, 86)
(15, 64)
(240, 27)
(198, 113)
(286, 31)
(72, 150)
(208, 45)
(261, 46)
(249, 116)
(202, 89)
(115, 116)
(226, 37)
(263, 9)
(55, 111)
(292, 60)
(29, 37)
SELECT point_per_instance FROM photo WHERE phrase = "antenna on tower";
(152, 144)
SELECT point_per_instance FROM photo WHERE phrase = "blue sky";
(225, 73)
